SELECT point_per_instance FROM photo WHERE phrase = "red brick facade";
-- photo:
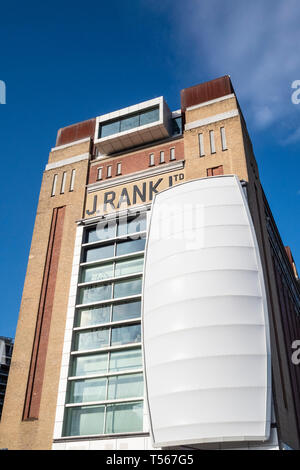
(136, 161)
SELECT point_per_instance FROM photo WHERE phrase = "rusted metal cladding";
(77, 131)
(205, 92)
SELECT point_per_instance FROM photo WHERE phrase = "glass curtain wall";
(126, 123)
(105, 382)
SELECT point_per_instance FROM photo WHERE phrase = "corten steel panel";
(75, 132)
(206, 91)
(205, 319)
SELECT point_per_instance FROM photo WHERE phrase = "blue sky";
(65, 61)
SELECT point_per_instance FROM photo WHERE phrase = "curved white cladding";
(205, 320)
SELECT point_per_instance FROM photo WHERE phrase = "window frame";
(151, 159)
(212, 142)
(111, 348)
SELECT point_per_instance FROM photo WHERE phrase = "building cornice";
(76, 142)
(211, 119)
(67, 161)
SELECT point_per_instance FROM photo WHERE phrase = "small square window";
(99, 173)
(151, 159)
(172, 153)
(119, 168)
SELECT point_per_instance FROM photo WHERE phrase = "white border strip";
(75, 142)
(67, 161)
(207, 103)
(212, 119)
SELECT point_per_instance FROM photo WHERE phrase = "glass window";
(126, 334)
(102, 231)
(129, 122)
(223, 138)
(212, 142)
(89, 365)
(72, 181)
(88, 390)
(130, 246)
(201, 145)
(146, 117)
(151, 159)
(126, 310)
(97, 273)
(99, 173)
(172, 153)
(125, 360)
(95, 293)
(63, 182)
(125, 386)
(93, 316)
(99, 253)
(91, 339)
(84, 420)
(54, 185)
(109, 128)
(125, 417)
(127, 288)
(129, 266)
(177, 126)
(137, 224)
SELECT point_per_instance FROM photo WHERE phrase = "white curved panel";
(205, 320)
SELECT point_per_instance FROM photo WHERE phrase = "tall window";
(161, 156)
(172, 154)
(99, 173)
(54, 182)
(63, 182)
(119, 169)
(72, 181)
(212, 142)
(151, 159)
(177, 125)
(105, 383)
(223, 138)
(109, 171)
(201, 145)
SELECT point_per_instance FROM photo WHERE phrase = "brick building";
(6, 348)
(77, 373)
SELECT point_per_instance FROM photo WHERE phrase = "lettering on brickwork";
(138, 193)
